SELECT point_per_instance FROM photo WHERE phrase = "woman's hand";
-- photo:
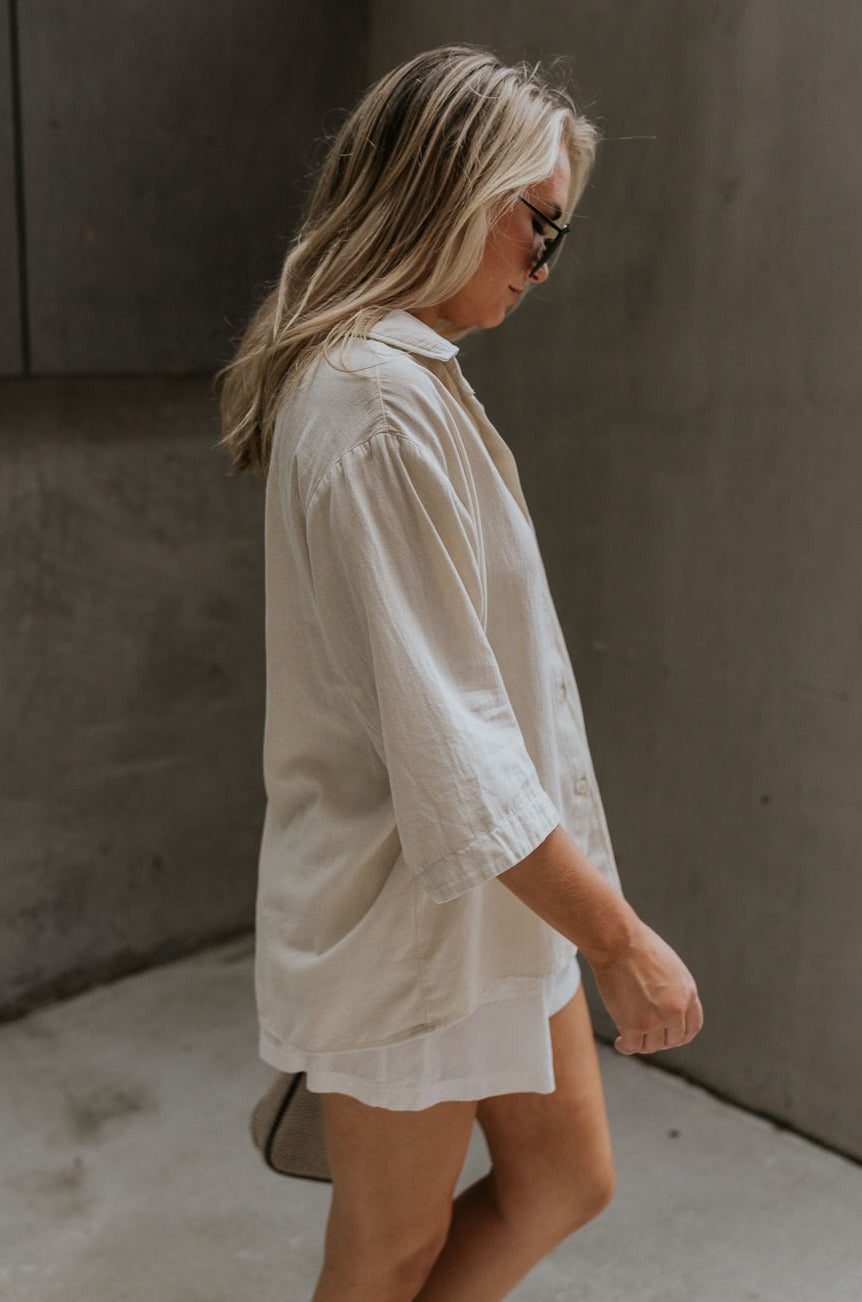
(646, 987)
(649, 993)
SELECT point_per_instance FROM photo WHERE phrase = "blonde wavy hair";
(433, 155)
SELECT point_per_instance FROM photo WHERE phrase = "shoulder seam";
(381, 430)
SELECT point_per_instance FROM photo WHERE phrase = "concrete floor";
(129, 1176)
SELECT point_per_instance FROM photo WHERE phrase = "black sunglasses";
(550, 245)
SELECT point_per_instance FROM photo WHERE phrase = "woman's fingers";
(629, 1042)
(677, 1032)
(693, 1019)
(656, 1040)
(649, 1042)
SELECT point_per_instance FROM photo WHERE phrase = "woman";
(434, 850)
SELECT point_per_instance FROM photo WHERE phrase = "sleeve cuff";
(494, 851)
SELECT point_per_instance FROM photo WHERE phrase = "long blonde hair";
(431, 156)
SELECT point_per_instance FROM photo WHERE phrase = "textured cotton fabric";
(503, 1047)
(423, 728)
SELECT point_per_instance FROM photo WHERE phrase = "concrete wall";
(132, 681)
(684, 399)
(163, 150)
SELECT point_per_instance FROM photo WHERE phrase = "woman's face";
(510, 251)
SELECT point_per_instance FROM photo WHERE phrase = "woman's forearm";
(644, 984)
(559, 883)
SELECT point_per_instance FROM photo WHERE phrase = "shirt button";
(562, 690)
(581, 786)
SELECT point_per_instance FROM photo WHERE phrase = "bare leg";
(552, 1172)
(394, 1175)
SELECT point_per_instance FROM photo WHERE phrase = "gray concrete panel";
(131, 649)
(10, 323)
(684, 400)
(166, 152)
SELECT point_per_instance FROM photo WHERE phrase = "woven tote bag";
(287, 1129)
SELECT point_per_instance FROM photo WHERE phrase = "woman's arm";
(645, 986)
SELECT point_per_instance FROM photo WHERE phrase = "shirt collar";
(403, 330)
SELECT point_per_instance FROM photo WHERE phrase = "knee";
(553, 1209)
(601, 1189)
(419, 1258)
(388, 1269)
(399, 1276)
(412, 1250)
(590, 1196)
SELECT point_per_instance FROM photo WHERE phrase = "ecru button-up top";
(423, 727)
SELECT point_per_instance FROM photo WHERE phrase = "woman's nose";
(541, 275)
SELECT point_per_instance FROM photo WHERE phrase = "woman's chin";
(494, 317)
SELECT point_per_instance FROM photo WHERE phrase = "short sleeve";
(397, 576)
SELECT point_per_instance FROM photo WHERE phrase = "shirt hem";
(277, 1052)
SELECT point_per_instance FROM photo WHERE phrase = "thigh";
(394, 1172)
(551, 1153)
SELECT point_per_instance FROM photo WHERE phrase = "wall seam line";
(20, 209)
